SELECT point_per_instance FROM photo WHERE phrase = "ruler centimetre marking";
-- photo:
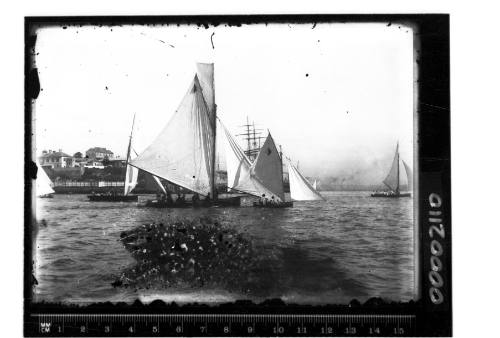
(221, 325)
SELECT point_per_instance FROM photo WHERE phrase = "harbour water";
(349, 246)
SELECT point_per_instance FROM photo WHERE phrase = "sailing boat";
(263, 178)
(300, 188)
(184, 151)
(315, 185)
(130, 181)
(43, 185)
(393, 181)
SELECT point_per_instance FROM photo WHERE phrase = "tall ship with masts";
(393, 179)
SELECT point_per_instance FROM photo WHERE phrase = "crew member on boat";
(263, 200)
(273, 201)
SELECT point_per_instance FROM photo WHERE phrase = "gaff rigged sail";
(392, 179)
(267, 168)
(239, 173)
(300, 188)
(182, 153)
(43, 183)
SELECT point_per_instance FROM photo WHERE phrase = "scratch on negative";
(212, 40)
(434, 106)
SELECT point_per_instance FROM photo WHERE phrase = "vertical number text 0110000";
(436, 234)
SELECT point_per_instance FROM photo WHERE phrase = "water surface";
(350, 246)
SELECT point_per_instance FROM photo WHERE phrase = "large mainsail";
(239, 172)
(182, 153)
(409, 176)
(392, 179)
(43, 183)
(268, 168)
(300, 188)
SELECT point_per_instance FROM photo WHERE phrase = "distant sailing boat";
(393, 181)
(300, 188)
(130, 180)
(43, 184)
(315, 185)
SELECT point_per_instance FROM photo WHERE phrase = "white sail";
(182, 153)
(409, 176)
(205, 72)
(392, 179)
(237, 163)
(238, 167)
(315, 185)
(268, 168)
(43, 183)
(130, 179)
(131, 173)
(300, 188)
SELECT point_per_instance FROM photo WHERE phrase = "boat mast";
(128, 151)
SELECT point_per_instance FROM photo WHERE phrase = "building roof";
(55, 154)
(100, 150)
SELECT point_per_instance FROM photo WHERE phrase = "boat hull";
(113, 198)
(274, 206)
(225, 202)
(384, 195)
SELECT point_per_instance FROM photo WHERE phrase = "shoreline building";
(99, 154)
(56, 159)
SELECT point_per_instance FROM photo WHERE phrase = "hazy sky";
(337, 97)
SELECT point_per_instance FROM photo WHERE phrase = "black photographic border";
(433, 304)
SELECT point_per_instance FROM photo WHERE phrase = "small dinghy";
(221, 202)
(284, 204)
